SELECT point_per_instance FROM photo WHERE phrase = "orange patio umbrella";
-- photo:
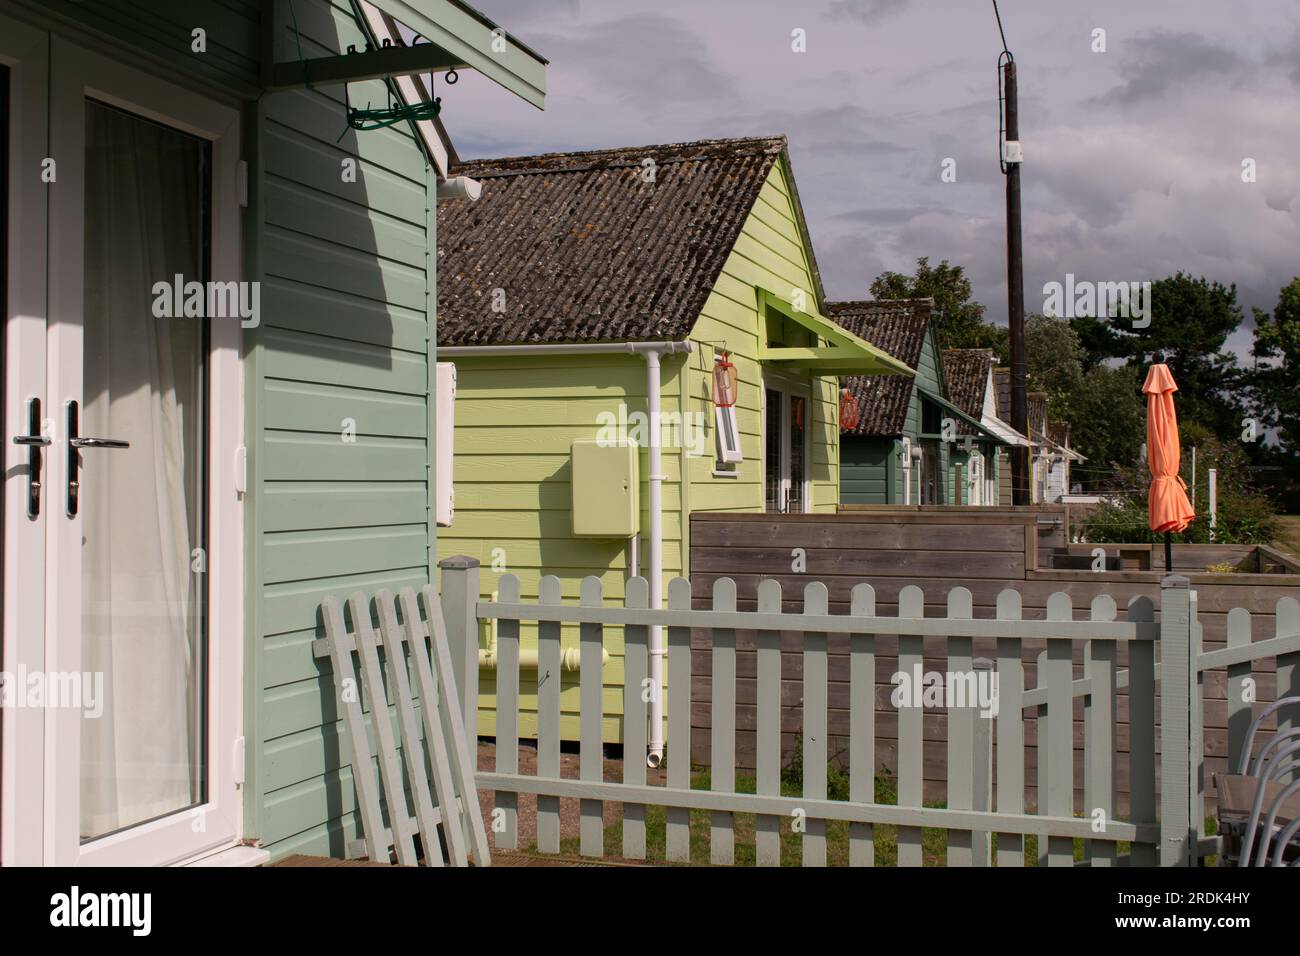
(1170, 510)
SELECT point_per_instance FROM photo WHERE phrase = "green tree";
(1055, 359)
(1108, 425)
(1103, 404)
(1244, 516)
(1275, 386)
(959, 321)
(1190, 320)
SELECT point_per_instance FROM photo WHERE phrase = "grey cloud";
(868, 11)
(1153, 63)
(651, 62)
(511, 14)
(877, 216)
(842, 130)
(1288, 58)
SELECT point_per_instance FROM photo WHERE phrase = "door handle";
(33, 441)
(75, 443)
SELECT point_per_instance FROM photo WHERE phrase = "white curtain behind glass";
(141, 508)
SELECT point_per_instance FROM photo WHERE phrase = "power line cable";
(1003, 58)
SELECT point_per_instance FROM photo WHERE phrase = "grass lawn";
(934, 845)
(1288, 534)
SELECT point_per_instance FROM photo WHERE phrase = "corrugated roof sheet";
(585, 249)
(966, 372)
(1037, 415)
(898, 326)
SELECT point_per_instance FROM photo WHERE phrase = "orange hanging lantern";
(848, 410)
(725, 382)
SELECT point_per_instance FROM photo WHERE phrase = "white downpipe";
(655, 754)
(651, 351)
(907, 470)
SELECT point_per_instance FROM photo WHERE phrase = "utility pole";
(1011, 159)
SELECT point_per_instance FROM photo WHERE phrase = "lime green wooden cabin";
(575, 281)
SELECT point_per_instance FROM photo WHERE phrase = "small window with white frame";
(728, 436)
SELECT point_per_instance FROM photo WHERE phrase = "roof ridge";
(573, 161)
(847, 304)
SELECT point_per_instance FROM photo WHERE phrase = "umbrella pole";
(1169, 553)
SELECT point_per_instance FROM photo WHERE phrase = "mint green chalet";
(219, 367)
(922, 440)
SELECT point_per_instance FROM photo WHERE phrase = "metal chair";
(1273, 818)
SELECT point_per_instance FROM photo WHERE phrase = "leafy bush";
(1244, 515)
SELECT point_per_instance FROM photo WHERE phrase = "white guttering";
(651, 351)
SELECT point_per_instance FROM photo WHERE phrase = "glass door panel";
(798, 448)
(138, 480)
(785, 452)
(773, 459)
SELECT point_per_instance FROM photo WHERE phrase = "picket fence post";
(1178, 765)
(460, 583)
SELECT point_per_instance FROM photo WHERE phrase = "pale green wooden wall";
(868, 460)
(864, 470)
(345, 336)
(517, 417)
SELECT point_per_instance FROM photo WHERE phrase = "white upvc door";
(24, 60)
(139, 597)
(787, 437)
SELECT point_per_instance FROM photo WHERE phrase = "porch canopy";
(986, 433)
(1005, 432)
(459, 38)
(846, 354)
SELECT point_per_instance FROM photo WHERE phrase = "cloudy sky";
(1133, 156)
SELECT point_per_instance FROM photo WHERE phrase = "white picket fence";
(985, 783)
(975, 806)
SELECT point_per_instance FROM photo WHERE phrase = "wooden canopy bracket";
(355, 66)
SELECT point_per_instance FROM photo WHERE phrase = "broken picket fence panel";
(415, 686)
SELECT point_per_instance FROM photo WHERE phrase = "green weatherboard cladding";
(871, 470)
(341, 401)
(341, 406)
(163, 31)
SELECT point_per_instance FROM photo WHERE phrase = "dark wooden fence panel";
(938, 548)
